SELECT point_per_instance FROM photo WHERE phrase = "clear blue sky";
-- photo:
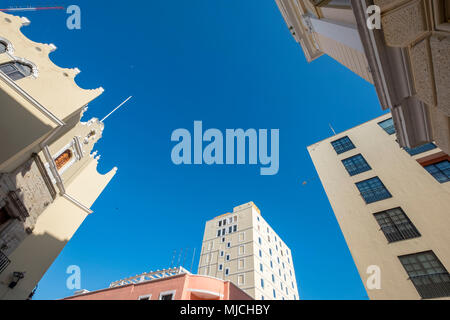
(230, 64)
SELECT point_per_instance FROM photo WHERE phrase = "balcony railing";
(402, 231)
(432, 285)
(374, 195)
(4, 262)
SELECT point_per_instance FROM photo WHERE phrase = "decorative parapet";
(52, 86)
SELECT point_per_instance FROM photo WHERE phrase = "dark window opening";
(388, 126)
(167, 296)
(356, 165)
(4, 216)
(373, 190)
(421, 149)
(3, 47)
(16, 70)
(343, 145)
(440, 171)
(396, 225)
(428, 274)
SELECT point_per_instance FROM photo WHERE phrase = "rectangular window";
(396, 226)
(356, 165)
(241, 279)
(373, 190)
(388, 126)
(343, 145)
(440, 171)
(428, 275)
(421, 149)
(167, 295)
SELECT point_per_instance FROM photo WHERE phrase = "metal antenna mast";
(192, 263)
(117, 108)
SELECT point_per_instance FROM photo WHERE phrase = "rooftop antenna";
(184, 258)
(332, 129)
(179, 257)
(20, 9)
(192, 263)
(117, 108)
(173, 259)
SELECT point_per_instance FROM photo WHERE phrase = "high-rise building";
(242, 247)
(48, 173)
(407, 58)
(168, 284)
(393, 206)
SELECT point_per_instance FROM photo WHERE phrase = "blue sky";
(230, 64)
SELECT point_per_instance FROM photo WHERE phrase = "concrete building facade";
(393, 207)
(407, 59)
(170, 284)
(243, 248)
(48, 172)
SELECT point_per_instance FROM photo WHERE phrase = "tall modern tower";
(393, 207)
(243, 248)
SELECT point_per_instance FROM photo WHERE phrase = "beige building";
(243, 248)
(48, 173)
(393, 206)
(408, 59)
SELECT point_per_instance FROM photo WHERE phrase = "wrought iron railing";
(401, 231)
(432, 285)
(4, 262)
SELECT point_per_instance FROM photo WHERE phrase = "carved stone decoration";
(24, 194)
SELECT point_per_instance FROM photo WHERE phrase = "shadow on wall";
(31, 259)
(13, 137)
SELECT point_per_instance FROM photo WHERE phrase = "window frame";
(439, 170)
(145, 297)
(353, 161)
(432, 289)
(342, 147)
(374, 198)
(399, 234)
(390, 130)
(166, 293)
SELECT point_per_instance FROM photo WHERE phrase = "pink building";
(170, 284)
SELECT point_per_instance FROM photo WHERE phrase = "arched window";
(63, 159)
(3, 47)
(16, 70)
